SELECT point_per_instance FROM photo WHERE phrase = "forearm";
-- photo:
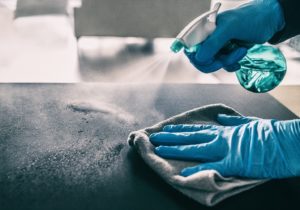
(290, 9)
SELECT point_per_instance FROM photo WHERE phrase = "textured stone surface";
(64, 146)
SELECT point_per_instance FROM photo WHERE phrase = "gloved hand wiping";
(254, 23)
(241, 146)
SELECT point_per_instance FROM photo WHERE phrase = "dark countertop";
(63, 146)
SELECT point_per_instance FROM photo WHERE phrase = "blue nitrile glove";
(255, 23)
(241, 146)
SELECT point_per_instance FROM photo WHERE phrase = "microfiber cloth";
(206, 187)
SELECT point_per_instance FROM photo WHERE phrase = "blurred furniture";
(41, 7)
(136, 18)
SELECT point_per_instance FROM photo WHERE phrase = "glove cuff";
(291, 16)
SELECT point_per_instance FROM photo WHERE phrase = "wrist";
(279, 17)
(275, 15)
(292, 129)
(289, 142)
(288, 129)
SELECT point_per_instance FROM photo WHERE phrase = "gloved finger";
(217, 166)
(214, 66)
(209, 67)
(199, 152)
(233, 57)
(183, 138)
(233, 67)
(189, 54)
(212, 45)
(229, 120)
(187, 127)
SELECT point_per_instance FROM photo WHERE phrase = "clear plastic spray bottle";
(262, 69)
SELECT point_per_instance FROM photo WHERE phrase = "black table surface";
(63, 146)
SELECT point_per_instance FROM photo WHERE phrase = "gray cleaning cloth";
(206, 187)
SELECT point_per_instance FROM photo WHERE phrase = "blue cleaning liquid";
(262, 69)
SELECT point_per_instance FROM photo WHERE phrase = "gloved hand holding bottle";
(240, 146)
(255, 23)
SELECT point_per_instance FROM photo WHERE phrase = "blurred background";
(66, 41)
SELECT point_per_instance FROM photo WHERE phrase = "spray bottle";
(262, 69)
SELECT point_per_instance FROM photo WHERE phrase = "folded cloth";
(206, 187)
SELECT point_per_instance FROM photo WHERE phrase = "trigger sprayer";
(262, 69)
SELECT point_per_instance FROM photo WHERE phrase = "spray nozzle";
(177, 45)
(196, 31)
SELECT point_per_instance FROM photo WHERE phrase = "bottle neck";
(228, 4)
